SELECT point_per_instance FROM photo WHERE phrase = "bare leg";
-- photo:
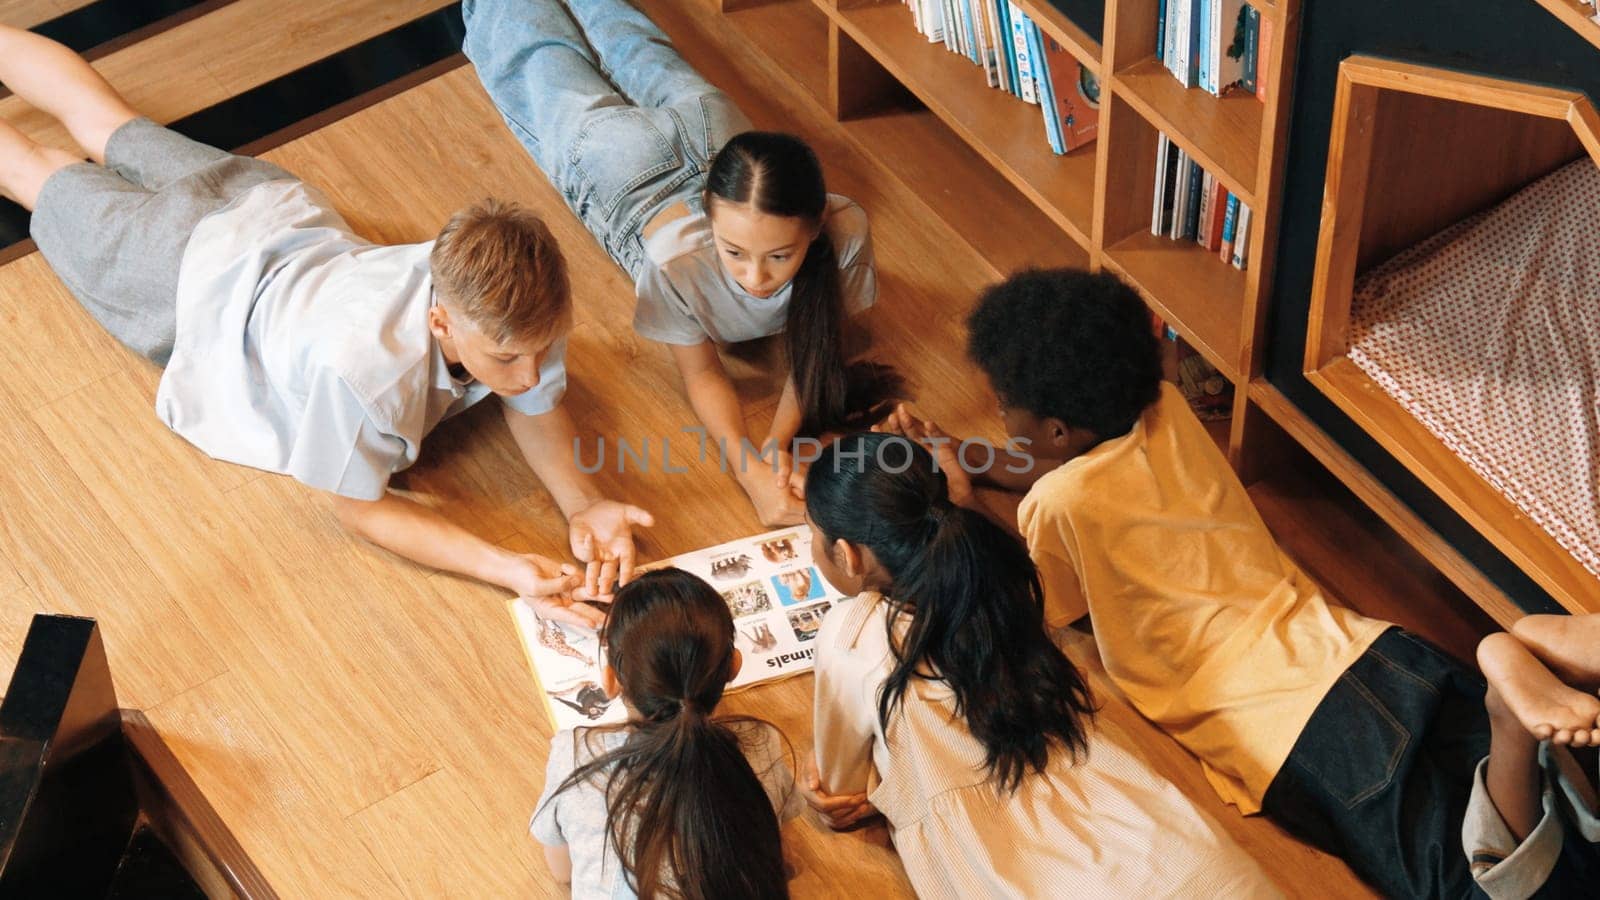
(1548, 709)
(1512, 775)
(1569, 645)
(25, 165)
(57, 81)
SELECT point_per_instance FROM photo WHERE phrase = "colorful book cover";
(777, 598)
(1019, 44)
(1230, 221)
(1076, 94)
(1047, 101)
(1247, 70)
(1228, 22)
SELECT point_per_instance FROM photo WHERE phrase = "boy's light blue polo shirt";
(304, 349)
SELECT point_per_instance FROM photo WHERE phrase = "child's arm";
(559, 859)
(422, 535)
(600, 530)
(715, 402)
(786, 421)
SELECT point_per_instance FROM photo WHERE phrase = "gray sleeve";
(552, 386)
(858, 271)
(661, 314)
(338, 448)
(546, 823)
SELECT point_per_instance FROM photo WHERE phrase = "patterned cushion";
(1489, 334)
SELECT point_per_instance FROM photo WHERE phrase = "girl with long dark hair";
(942, 703)
(729, 234)
(675, 803)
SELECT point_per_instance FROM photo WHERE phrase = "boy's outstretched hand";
(602, 538)
(945, 449)
(555, 590)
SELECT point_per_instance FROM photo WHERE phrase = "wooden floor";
(367, 727)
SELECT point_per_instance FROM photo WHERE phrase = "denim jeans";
(619, 123)
(1382, 772)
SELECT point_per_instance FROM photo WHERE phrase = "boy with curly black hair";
(1355, 735)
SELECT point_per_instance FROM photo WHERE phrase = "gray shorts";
(115, 234)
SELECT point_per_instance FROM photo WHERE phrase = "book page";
(777, 598)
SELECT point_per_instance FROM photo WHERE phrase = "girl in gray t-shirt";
(729, 234)
(612, 794)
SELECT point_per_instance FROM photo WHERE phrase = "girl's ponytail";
(779, 175)
(687, 814)
(970, 598)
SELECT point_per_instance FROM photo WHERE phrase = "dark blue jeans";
(1381, 774)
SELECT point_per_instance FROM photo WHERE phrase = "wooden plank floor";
(367, 727)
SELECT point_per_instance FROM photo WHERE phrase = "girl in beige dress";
(942, 704)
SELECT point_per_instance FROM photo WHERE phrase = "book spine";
(1161, 32)
(1019, 42)
(1002, 12)
(1047, 100)
(1174, 22)
(1219, 209)
(1191, 223)
(1163, 146)
(1203, 58)
(997, 58)
(1241, 238)
(1196, 29)
(980, 30)
(1180, 195)
(1169, 182)
(1230, 221)
(1203, 230)
(970, 28)
(1263, 57)
(1247, 73)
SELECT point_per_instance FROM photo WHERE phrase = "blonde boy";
(291, 344)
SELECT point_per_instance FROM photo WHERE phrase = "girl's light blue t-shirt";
(686, 295)
(577, 816)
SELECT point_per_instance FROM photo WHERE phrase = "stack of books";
(1214, 44)
(1192, 205)
(1018, 58)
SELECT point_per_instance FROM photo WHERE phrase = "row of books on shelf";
(1192, 205)
(1020, 59)
(1214, 44)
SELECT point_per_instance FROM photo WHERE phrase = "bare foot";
(1569, 645)
(1549, 709)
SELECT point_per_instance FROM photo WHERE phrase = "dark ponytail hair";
(688, 814)
(779, 175)
(973, 597)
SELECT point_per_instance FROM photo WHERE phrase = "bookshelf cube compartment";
(1005, 131)
(1388, 188)
(1224, 133)
(1187, 285)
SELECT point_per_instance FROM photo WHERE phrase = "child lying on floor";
(293, 345)
(1353, 734)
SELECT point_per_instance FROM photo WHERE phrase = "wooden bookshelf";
(1008, 133)
(1098, 198)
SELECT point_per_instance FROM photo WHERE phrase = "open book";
(777, 598)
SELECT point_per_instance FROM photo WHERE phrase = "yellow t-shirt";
(1210, 630)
